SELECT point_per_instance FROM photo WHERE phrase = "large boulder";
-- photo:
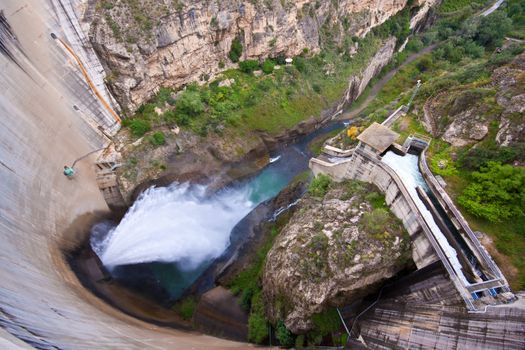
(333, 251)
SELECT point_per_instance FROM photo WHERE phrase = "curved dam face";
(45, 109)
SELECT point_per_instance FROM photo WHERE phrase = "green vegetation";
(248, 66)
(515, 10)
(496, 192)
(235, 50)
(138, 126)
(186, 308)
(454, 5)
(326, 323)
(285, 337)
(462, 65)
(248, 284)
(268, 66)
(157, 139)
(257, 323)
(320, 185)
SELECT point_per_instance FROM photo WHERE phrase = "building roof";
(378, 136)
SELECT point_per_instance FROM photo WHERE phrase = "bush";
(158, 139)
(496, 193)
(414, 45)
(248, 66)
(268, 66)
(139, 127)
(493, 29)
(190, 103)
(477, 157)
(473, 50)
(257, 328)
(186, 308)
(424, 64)
(235, 50)
(320, 185)
(327, 322)
(300, 64)
(376, 221)
(285, 337)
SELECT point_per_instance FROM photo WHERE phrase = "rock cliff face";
(333, 251)
(146, 44)
(464, 115)
(187, 156)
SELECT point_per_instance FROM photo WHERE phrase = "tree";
(320, 185)
(497, 192)
(493, 28)
(267, 66)
(257, 328)
(190, 103)
(248, 66)
(286, 338)
(235, 50)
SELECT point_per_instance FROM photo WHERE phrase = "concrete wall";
(42, 212)
(425, 311)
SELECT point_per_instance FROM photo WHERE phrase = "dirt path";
(354, 111)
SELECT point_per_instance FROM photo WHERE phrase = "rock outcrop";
(464, 115)
(333, 251)
(145, 45)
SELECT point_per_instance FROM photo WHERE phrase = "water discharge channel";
(408, 170)
(172, 234)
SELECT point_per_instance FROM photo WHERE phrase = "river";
(171, 235)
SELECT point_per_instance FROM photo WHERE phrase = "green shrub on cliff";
(190, 103)
(257, 323)
(248, 66)
(268, 66)
(157, 139)
(320, 185)
(186, 308)
(138, 126)
(235, 50)
(285, 337)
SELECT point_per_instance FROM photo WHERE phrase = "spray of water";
(179, 223)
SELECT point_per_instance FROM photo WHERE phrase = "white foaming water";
(179, 223)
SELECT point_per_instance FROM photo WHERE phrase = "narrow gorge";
(221, 174)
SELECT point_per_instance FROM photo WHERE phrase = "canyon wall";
(146, 45)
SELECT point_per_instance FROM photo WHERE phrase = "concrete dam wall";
(45, 109)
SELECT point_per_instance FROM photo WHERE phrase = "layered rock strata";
(145, 45)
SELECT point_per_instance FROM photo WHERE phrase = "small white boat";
(346, 123)
(274, 159)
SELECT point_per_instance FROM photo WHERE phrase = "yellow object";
(352, 132)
